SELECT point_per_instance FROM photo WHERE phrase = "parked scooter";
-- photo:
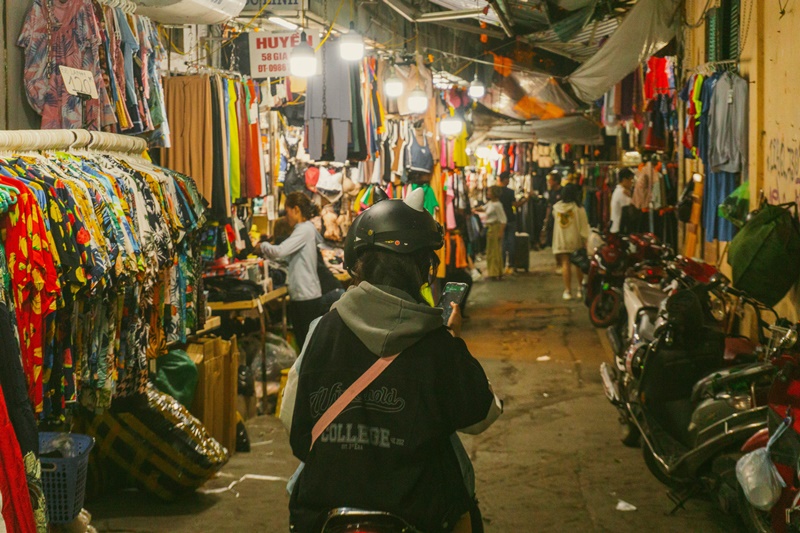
(693, 404)
(631, 337)
(349, 520)
(607, 270)
(784, 420)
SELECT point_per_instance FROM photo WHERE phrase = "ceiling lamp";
(476, 89)
(451, 126)
(302, 60)
(417, 101)
(283, 23)
(351, 45)
(393, 87)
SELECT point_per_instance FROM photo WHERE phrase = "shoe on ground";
(579, 294)
(508, 271)
(566, 296)
(476, 275)
(559, 270)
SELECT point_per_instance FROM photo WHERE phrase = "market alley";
(552, 462)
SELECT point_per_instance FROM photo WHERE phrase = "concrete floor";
(552, 462)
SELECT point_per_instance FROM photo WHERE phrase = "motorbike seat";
(671, 373)
(739, 350)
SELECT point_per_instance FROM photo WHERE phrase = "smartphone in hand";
(453, 293)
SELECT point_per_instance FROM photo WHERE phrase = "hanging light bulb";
(476, 89)
(351, 45)
(483, 152)
(303, 60)
(393, 87)
(417, 101)
(451, 126)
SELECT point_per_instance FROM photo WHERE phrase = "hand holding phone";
(453, 293)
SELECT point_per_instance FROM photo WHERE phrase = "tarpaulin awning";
(571, 130)
(647, 28)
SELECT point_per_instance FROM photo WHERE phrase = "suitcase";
(522, 252)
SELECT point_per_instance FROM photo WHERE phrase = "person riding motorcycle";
(393, 448)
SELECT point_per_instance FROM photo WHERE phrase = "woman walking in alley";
(495, 230)
(570, 231)
(393, 448)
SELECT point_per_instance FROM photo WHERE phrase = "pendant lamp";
(351, 45)
(393, 87)
(303, 60)
(451, 126)
(417, 101)
(476, 89)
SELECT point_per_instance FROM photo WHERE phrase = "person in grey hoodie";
(393, 448)
(305, 291)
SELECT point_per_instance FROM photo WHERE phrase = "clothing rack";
(37, 140)
(127, 6)
(705, 67)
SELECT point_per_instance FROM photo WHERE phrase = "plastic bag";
(759, 479)
(279, 355)
(61, 447)
(736, 206)
(177, 376)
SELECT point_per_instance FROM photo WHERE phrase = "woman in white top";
(570, 232)
(495, 228)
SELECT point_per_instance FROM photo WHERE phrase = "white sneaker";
(476, 275)
(566, 296)
(579, 294)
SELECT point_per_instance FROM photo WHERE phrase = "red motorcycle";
(784, 426)
(608, 269)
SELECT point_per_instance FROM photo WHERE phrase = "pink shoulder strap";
(347, 396)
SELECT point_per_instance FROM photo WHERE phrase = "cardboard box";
(230, 356)
(214, 403)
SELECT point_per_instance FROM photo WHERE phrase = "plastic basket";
(64, 479)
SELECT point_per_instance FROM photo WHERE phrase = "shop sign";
(79, 82)
(252, 7)
(269, 52)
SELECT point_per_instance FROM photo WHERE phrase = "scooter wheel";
(652, 465)
(629, 434)
(605, 309)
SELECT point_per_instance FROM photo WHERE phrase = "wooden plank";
(245, 305)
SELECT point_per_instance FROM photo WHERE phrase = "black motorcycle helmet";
(400, 226)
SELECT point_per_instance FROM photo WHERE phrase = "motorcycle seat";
(739, 350)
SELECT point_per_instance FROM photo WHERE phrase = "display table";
(280, 294)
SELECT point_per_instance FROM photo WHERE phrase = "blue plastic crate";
(64, 480)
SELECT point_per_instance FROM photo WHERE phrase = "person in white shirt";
(495, 228)
(621, 198)
(570, 233)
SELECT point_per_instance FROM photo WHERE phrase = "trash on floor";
(625, 506)
(232, 484)
(543, 358)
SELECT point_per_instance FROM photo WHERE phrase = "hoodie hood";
(563, 207)
(385, 319)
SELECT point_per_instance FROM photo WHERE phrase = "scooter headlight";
(718, 308)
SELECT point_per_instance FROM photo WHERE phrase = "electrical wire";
(702, 18)
(330, 28)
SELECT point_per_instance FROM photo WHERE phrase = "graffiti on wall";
(782, 181)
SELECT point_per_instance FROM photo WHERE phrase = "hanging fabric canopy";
(571, 130)
(647, 28)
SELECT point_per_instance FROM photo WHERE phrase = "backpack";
(765, 254)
